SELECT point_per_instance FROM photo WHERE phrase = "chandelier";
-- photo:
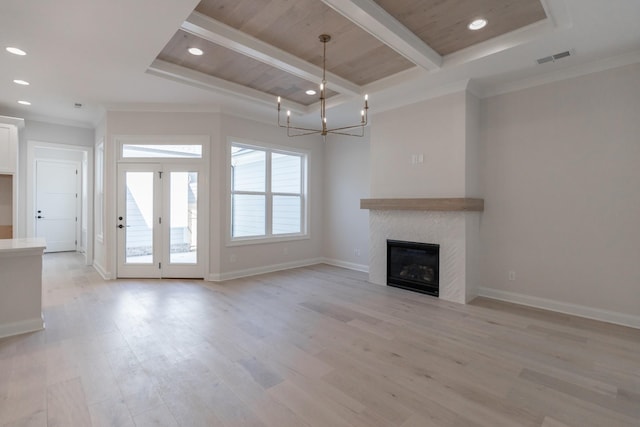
(323, 129)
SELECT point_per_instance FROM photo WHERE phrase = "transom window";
(268, 189)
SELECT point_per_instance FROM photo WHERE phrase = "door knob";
(120, 226)
(39, 216)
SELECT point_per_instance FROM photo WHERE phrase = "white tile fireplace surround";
(455, 230)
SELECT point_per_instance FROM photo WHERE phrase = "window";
(267, 193)
(162, 150)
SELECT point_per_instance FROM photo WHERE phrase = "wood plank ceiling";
(353, 53)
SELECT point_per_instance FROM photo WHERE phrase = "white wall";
(346, 181)
(58, 134)
(245, 259)
(561, 170)
(224, 261)
(49, 133)
(436, 129)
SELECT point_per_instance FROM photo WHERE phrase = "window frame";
(268, 237)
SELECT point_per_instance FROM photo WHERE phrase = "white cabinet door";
(8, 148)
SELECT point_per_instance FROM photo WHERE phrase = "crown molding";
(372, 18)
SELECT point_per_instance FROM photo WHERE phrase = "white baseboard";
(347, 265)
(219, 277)
(562, 307)
(101, 271)
(21, 327)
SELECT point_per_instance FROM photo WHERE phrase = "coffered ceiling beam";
(194, 78)
(376, 21)
(216, 32)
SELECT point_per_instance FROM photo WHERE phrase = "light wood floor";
(314, 346)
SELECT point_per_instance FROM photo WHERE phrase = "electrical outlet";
(512, 275)
(356, 251)
(232, 258)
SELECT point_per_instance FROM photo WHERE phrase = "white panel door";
(57, 188)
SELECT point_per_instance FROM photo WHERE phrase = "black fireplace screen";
(414, 266)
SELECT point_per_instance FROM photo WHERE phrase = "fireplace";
(414, 266)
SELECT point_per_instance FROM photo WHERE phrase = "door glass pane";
(286, 214)
(183, 199)
(248, 215)
(139, 218)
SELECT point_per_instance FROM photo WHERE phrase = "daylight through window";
(267, 192)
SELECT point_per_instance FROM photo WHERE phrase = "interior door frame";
(86, 197)
(78, 208)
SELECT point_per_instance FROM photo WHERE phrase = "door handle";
(40, 217)
(123, 226)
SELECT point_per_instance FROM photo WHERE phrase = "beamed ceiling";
(123, 55)
(268, 48)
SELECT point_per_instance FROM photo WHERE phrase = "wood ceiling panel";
(443, 24)
(294, 26)
(226, 64)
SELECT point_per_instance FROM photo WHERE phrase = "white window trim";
(241, 241)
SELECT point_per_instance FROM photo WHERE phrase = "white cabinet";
(8, 147)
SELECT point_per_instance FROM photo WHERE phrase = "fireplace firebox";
(414, 266)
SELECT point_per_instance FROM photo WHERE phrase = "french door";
(157, 221)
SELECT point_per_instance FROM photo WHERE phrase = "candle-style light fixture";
(324, 130)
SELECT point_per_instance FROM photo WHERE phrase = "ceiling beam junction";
(372, 18)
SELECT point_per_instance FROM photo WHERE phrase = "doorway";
(157, 221)
(57, 204)
(42, 158)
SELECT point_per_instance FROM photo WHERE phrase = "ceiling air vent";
(553, 58)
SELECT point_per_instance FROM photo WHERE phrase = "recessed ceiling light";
(195, 51)
(21, 82)
(16, 51)
(24, 102)
(310, 92)
(477, 24)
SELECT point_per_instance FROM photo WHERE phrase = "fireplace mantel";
(425, 204)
